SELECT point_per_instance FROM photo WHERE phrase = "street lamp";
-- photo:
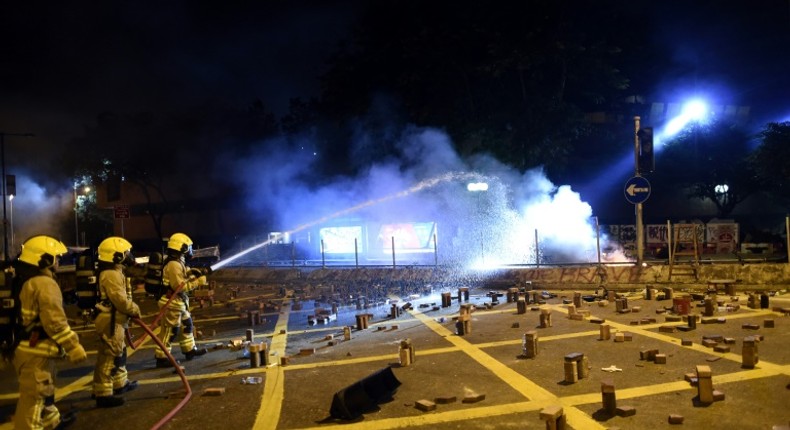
(4, 178)
(85, 190)
(11, 217)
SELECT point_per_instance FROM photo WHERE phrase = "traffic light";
(10, 185)
(646, 160)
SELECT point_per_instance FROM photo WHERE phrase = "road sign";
(121, 211)
(637, 190)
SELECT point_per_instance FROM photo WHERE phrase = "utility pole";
(5, 192)
(640, 233)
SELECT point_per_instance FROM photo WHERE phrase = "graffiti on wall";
(582, 275)
(720, 237)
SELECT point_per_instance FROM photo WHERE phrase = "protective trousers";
(110, 372)
(36, 406)
(172, 320)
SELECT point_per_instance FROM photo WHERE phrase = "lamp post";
(11, 217)
(76, 213)
(2, 167)
(640, 234)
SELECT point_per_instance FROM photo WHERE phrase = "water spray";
(422, 185)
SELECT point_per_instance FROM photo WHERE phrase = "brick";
(686, 342)
(768, 323)
(626, 411)
(551, 412)
(425, 405)
(213, 392)
(473, 398)
(704, 371)
(661, 359)
(721, 348)
(445, 400)
(710, 343)
(675, 419)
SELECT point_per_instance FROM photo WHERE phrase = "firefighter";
(176, 321)
(114, 309)
(46, 335)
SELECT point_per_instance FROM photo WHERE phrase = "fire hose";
(148, 330)
(136, 344)
(179, 370)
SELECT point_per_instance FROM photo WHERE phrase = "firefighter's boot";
(108, 401)
(196, 352)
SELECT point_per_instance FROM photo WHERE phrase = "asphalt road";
(484, 366)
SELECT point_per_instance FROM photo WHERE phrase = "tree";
(710, 162)
(512, 80)
(168, 159)
(771, 160)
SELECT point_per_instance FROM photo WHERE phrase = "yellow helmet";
(180, 242)
(42, 251)
(114, 249)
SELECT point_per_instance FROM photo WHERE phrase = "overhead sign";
(637, 190)
(121, 211)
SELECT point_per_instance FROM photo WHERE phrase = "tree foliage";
(771, 160)
(167, 158)
(710, 162)
(512, 80)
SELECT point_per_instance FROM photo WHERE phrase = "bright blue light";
(693, 111)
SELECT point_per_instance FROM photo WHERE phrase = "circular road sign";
(637, 190)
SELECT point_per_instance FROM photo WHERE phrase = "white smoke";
(425, 181)
(34, 210)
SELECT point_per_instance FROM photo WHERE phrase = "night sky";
(63, 63)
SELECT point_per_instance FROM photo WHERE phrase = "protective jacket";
(46, 328)
(174, 274)
(115, 296)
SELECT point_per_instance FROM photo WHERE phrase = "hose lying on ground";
(179, 370)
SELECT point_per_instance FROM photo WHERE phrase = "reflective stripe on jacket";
(42, 310)
(174, 274)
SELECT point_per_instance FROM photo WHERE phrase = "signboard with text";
(121, 211)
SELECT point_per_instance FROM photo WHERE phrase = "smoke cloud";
(425, 181)
(35, 210)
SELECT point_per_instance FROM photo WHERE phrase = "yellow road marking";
(274, 388)
(517, 381)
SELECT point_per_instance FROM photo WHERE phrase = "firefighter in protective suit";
(46, 335)
(176, 321)
(115, 307)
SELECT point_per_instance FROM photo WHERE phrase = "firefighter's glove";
(202, 281)
(135, 311)
(77, 354)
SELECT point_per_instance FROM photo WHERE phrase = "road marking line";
(274, 387)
